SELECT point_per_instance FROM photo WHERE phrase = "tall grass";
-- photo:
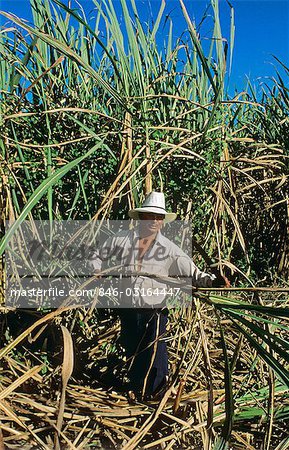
(95, 115)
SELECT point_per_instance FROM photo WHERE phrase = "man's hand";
(97, 272)
(221, 281)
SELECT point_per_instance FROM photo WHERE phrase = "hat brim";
(169, 217)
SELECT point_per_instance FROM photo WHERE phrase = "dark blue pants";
(142, 336)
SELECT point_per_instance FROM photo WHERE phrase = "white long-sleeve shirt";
(163, 258)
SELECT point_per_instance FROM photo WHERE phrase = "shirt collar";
(160, 239)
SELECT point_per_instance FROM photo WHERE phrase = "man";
(142, 298)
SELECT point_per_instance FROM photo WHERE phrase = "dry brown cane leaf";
(67, 368)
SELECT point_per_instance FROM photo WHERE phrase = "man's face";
(151, 222)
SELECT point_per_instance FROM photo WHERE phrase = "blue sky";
(262, 30)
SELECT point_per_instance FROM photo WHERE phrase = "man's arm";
(101, 255)
(187, 268)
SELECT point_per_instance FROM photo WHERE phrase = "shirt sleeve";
(185, 267)
(101, 254)
(96, 261)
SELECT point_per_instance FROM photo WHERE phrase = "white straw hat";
(154, 203)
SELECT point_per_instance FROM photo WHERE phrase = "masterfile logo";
(53, 264)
